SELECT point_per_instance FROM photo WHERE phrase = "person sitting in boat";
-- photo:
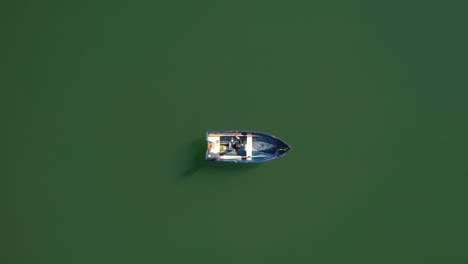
(237, 145)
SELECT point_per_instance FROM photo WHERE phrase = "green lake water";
(105, 106)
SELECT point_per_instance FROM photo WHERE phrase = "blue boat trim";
(240, 146)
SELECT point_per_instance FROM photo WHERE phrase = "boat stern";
(213, 147)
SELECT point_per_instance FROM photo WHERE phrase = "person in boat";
(236, 144)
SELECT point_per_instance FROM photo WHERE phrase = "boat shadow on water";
(197, 162)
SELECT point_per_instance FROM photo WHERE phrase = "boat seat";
(248, 147)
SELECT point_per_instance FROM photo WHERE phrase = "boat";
(244, 146)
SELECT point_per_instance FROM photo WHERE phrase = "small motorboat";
(244, 146)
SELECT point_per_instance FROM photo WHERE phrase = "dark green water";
(104, 109)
